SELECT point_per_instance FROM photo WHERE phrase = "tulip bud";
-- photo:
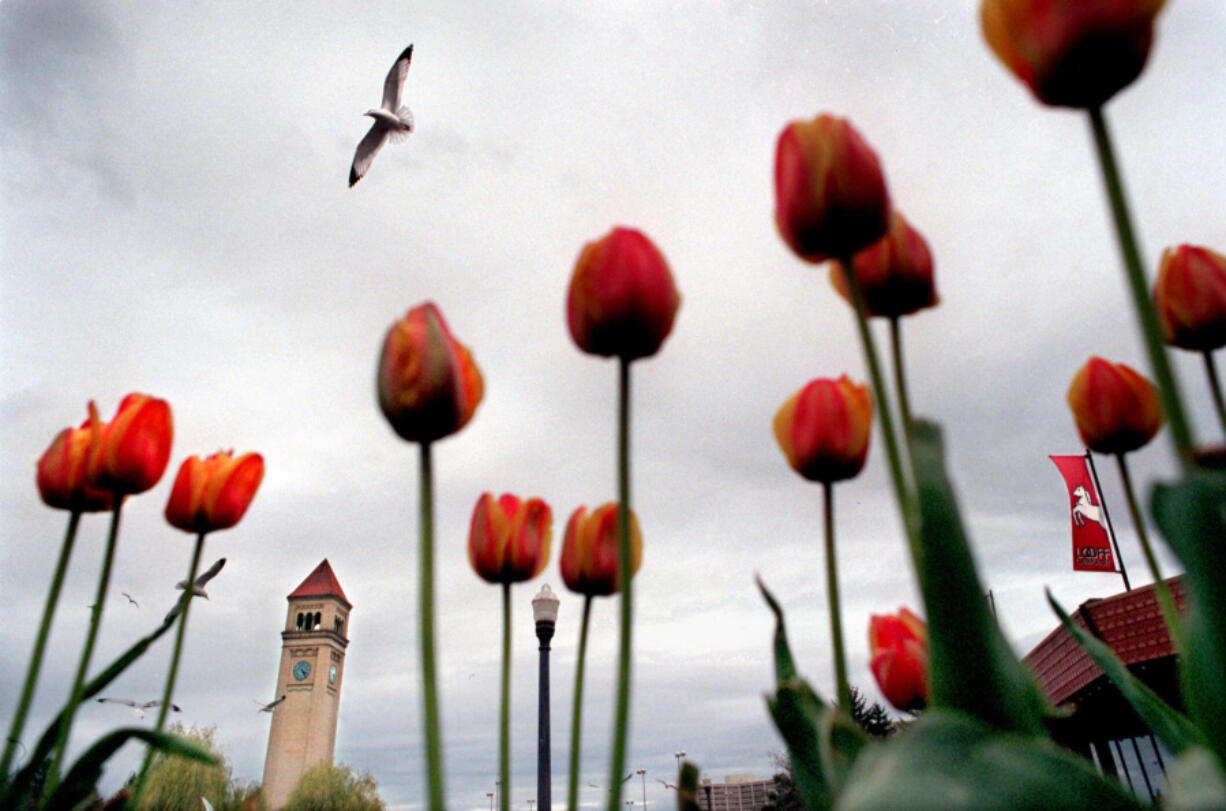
(823, 429)
(1116, 409)
(62, 468)
(214, 493)
(830, 194)
(428, 385)
(1190, 297)
(129, 454)
(622, 299)
(1071, 53)
(894, 273)
(509, 539)
(589, 561)
(898, 657)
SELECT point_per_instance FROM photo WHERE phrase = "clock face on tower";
(302, 670)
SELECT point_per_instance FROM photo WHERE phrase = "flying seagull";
(270, 705)
(199, 583)
(138, 707)
(129, 596)
(391, 119)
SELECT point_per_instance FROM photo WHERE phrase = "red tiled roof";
(1130, 622)
(321, 583)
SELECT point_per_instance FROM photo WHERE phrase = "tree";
(875, 719)
(783, 795)
(325, 787)
(177, 784)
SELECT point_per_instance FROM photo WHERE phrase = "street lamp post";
(643, 774)
(706, 784)
(490, 794)
(678, 756)
(545, 612)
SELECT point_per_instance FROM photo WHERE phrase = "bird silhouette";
(199, 583)
(138, 707)
(130, 599)
(392, 120)
(270, 706)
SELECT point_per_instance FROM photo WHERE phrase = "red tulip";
(894, 273)
(61, 478)
(830, 194)
(129, 454)
(509, 539)
(1071, 53)
(1190, 296)
(823, 429)
(898, 657)
(622, 299)
(214, 493)
(589, 561)
(428, 385)
(1116, 409)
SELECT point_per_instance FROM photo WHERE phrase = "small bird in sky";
(391, 119)
(130, 599)
(270, 706)
(138, 707)
(199, 583)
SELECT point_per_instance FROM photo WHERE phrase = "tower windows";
(301, 620)
(340, 625)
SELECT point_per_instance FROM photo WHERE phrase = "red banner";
(1091, 538)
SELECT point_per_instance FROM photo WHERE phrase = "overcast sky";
(176, 221)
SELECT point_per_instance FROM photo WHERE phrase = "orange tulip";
(589, 550)
(894, 273)
(1116, 409)
(214, 493)
(428, 385)
(830, 194)
(898, 657)
(61, 477)
(622, 299)
(823, 429)
(1190, 296)
(129, 454)
(1071, 53)
(509, 539)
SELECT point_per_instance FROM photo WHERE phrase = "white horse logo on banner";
(1085, 509)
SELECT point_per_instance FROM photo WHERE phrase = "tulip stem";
(907, 503)
(621, 720)
(434, 752)
(95, 620)
(1215, 386)
(572, 790)
(900, 385)
(40, 644)
(504, 714)
(1139, 288)
(185, 603)
(1161, 592)
(832, 596)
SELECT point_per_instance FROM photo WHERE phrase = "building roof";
(321, 583)
(1130, 623)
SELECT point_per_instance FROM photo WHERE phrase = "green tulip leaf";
(840, 742)
(687, 787)
(1196, 780)
(1174, 729)
(799, 715)
(948, 759)
(972, 667)
(80, 782)
(785, 667)
(1192, 517)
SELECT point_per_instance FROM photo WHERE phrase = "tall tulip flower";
(590, 566)
(830, 193)
(428, 387)
(127, 455)
(1071, 53)
(621, 303)
(1190, 297)
(898, 657)
(622, 300)
(508, 542)
(823, 430)
(63, 484)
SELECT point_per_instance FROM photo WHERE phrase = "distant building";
(738, 792)
(1099, 723)
(310, 677)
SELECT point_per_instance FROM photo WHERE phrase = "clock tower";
(309, 681)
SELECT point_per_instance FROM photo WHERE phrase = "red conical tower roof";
(321, 583)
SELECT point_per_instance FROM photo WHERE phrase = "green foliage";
(687, 787)
(874, 720)
(783, 795)
(177, 784)
(325, 787)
